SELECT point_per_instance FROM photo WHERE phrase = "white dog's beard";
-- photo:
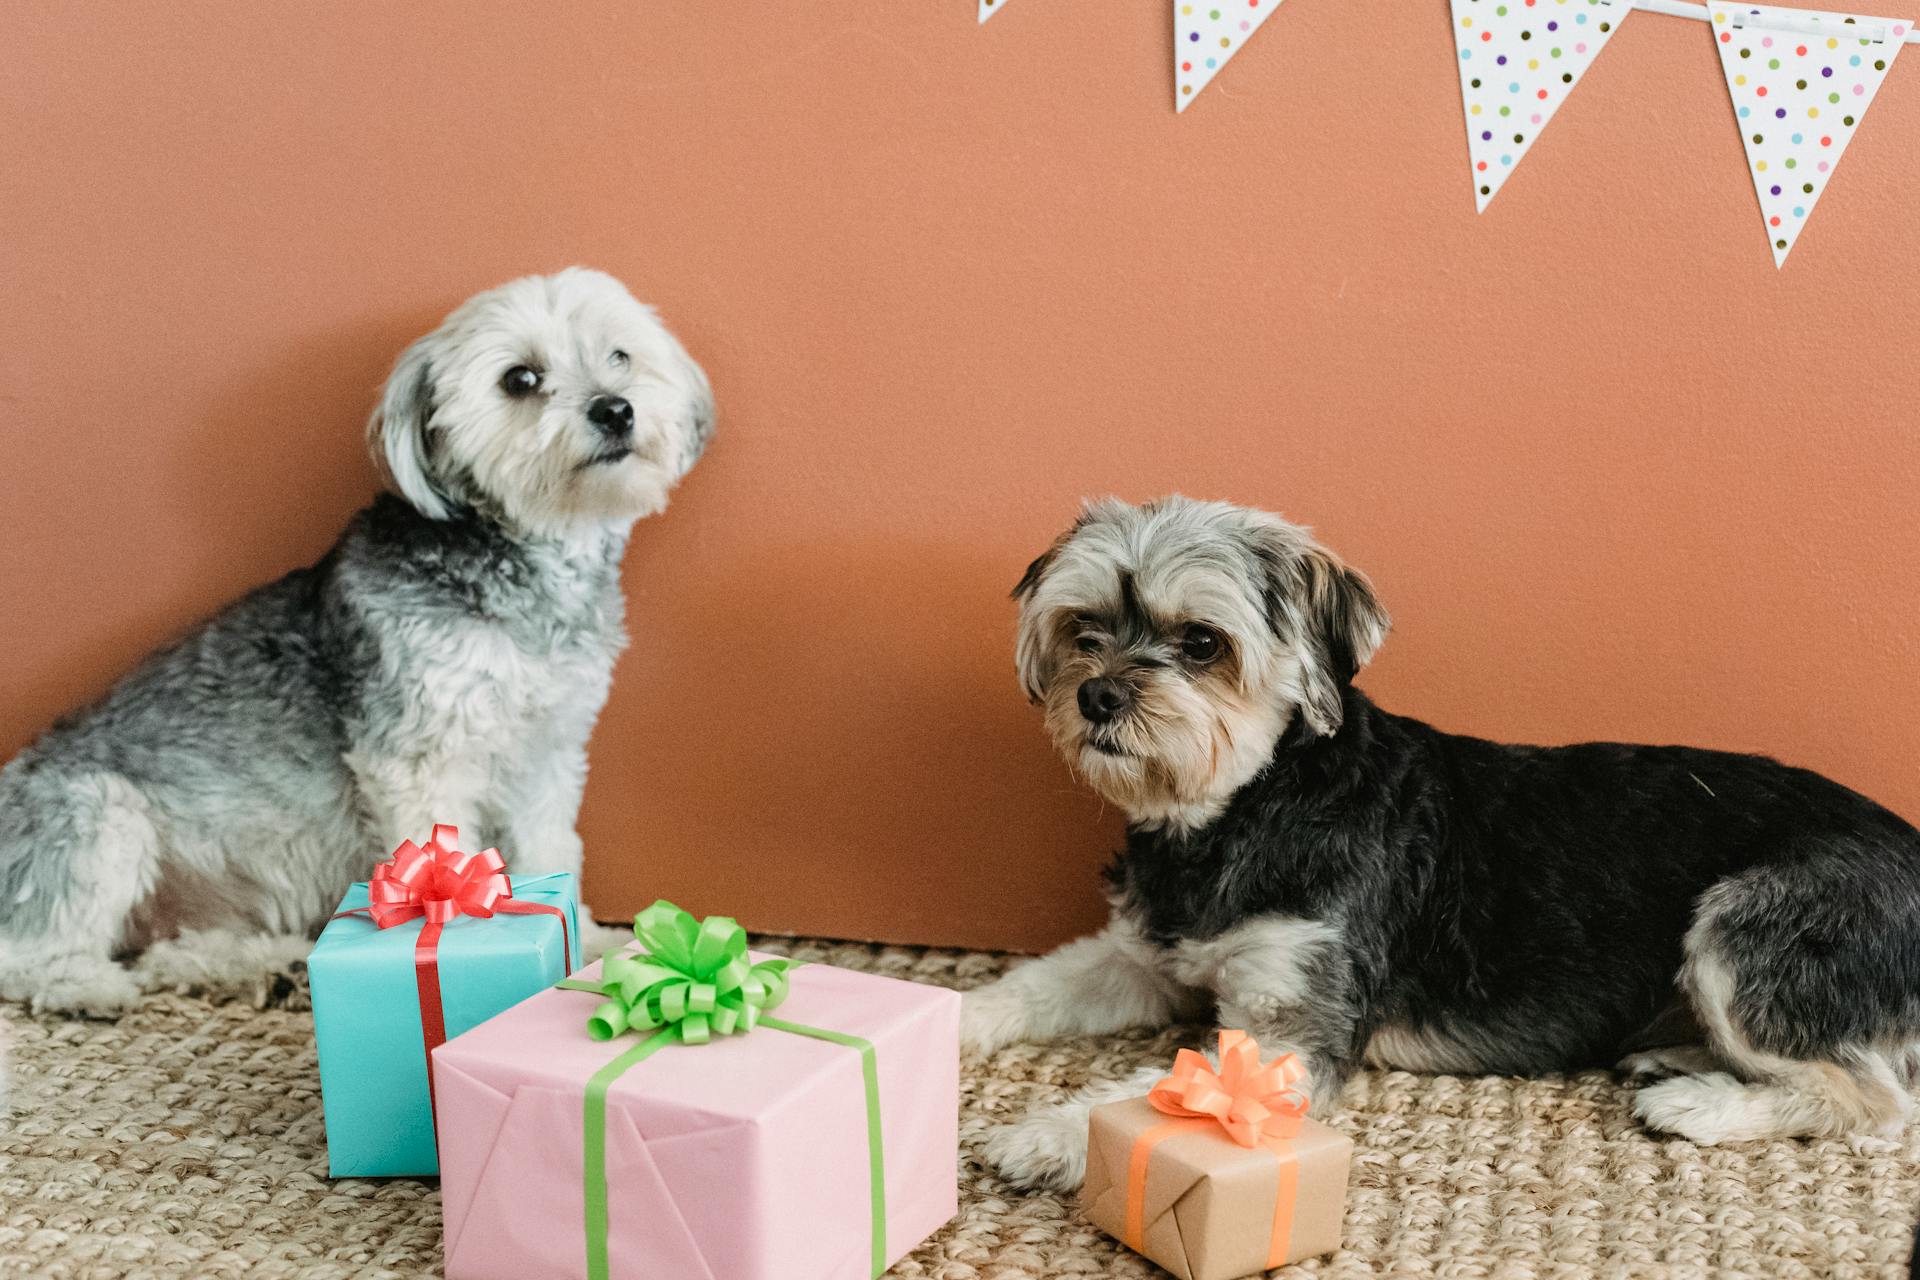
(629, 487)
(565, 490)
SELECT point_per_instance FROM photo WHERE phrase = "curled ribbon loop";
(694, 979)
(1253, 1103)
(438, 881)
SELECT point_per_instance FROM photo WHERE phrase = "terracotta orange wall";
(1615, 475)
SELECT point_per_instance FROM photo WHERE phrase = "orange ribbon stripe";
(1283, 1201)
(1134, 1236)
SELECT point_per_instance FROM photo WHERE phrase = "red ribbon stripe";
(440, 883)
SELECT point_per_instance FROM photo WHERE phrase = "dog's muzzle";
(1104, 700)
(612, 416)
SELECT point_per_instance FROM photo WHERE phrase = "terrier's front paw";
(991, 1017)
(1047, 1151)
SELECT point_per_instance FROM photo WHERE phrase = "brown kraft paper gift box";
(1209, 1208)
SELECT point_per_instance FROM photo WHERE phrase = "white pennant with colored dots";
(1205, 34)
(1801, 83)
(990, 7)
(1518, 62)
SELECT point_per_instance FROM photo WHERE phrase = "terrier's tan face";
(1171, 645)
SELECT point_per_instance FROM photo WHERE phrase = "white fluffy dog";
(444, 662)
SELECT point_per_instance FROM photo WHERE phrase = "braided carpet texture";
(186, 1139)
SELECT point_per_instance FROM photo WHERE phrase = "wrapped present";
(690, 1109)
(1219, 1174)
(437, 942)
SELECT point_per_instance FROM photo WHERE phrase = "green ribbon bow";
(694, 978)
(695, 981)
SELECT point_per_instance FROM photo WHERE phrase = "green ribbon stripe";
(693, 982)
(876, 1149)
(594, 1137)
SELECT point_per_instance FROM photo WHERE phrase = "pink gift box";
(743, 1158)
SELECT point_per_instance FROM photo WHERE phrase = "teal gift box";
(375, 995)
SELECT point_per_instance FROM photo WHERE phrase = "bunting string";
(1698, 12)
(1799, 80)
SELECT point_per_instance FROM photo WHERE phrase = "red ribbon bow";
(439, 882)
(1253, 1103)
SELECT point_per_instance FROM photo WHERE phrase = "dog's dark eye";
(520, 381)
(618, 360)
(1085, 638)
(1201, 644)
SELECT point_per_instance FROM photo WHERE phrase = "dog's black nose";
(612, 414)
(1103, 699)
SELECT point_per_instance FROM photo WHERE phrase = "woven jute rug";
(186, 1139)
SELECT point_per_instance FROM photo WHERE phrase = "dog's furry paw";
(991, 1017)
(1658, 1064)
(217, 962)
(1046, 1151)
(1708, 1109)
(90, 988)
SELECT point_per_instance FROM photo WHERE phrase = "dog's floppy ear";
(1035, 571)
(397, 431)
(700, 409)
(1090, 510)
(1327, 611)
(1032, 654)
(1033, 649)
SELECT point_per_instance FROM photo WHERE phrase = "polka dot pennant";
(1205, 34)
(1801, 84)
(1519, 59)
(990, 7)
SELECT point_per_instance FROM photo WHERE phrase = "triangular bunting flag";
(1801, 83)
(990, 7)
(1518, 63)
(1206, 33)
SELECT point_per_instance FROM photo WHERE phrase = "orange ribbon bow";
(1253, 1103)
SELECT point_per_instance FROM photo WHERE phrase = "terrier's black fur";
(1528, 904)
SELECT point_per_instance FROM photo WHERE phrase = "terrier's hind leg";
(76, 854)
(1673, 1060)
(1673, 1044)
(1793, 1063)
